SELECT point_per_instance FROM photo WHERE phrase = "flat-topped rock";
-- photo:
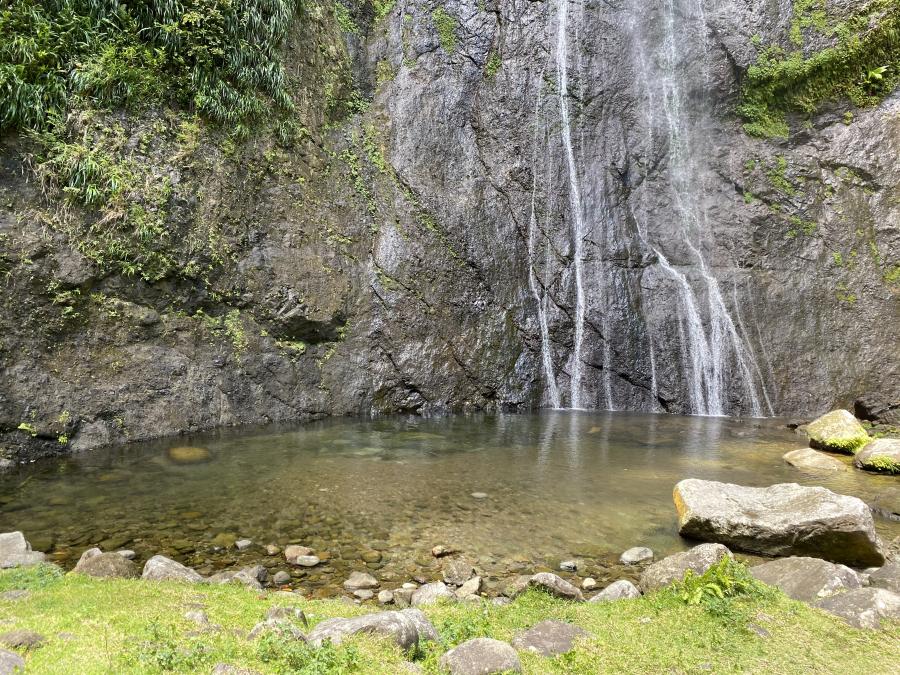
(673, 567)
(807, 459)
(481, 656)
(806, 579)
(161, 568)
(636, 556)
(406, 628)
(549, 638)
(15, 551)
(837, 431)
(863, 607)
(880, 456)
(359, 581)
(781, 520)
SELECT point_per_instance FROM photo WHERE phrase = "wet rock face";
(495, 255)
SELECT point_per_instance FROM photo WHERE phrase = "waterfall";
(562, 77)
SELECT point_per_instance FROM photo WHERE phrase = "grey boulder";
(11, 663)
(806, 579)
(360, 580)
(807, 459)
(251, 577)
(457, 571)
(161, 568)
(673, 567)
(636, 555)
(863, 607)
(555, 585)
(481, 656)
(781, 520)
(107, 566)
(406, 628)
(618, 590)
(15, 551)
(880, 456)
(887, 577)
(430, 594)
(549, 638)
(837, 431)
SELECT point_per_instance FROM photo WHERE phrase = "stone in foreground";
(11, 663)
(781, 520)
(160, 568)
(555, 585)
(806, 579)
(22, 639)
(887, 577)
(636, 555)
(481, 656)
(107, 566)
(430, 594)
(863, 607)
(837, 431)
(673, 567)
(807, 459)
(15, 551)
(618, 590)
(406, 628)
(880, 456)
(549, 638)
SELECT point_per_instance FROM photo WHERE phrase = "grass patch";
(130, 626)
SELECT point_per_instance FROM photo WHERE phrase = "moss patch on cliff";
(863, 66)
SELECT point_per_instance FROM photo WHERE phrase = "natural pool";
(379, 494)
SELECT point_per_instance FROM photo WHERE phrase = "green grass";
(130, 626)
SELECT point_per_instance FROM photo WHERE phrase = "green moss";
(883, 464)
(446, 26)
(28, 428)
(777, 174)
(492, 67)
(234, 328)
(383, 8)
(345, 21)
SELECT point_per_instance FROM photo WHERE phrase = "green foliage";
(217, 56)
(884, 464)
(446, 26)
(859, 67)
(492, 67)
(28, 428)
(345, 21)
(162, 648)
(777, 174)
(30, 578)
(717, 589)
(286, 655)
(383, 8)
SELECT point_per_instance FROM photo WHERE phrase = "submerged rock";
(806, 579)
(863, 607)
(784, 519)
(555, 585)
(406, 628)
(188, 455)
(881, 456)
(618, 590)
(837, 431)
(549, 638)
(673, 567)
(808, 459)
(636, 555)
(15, 551)
(107, 566)
(481, 656)
(161, 568)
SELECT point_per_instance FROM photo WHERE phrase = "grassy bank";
(125, 626)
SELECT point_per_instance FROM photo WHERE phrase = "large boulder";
(881, 455)
(807, 459)
(406, 628)
(837, 431)
(673, 567)
(863, 607)
(878, 407)
(15, 551)
(481, 656)
(806, 579)
(555, 585)
(887, 577)
(160, 568)
(617, 590)
(549, 638)
(781, 520)
(107, 566)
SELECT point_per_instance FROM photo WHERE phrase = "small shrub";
(717, 589)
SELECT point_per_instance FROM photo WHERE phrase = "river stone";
(589, 584)
(673, 567)
(243, 544)
(837, 431)
(887, 577)
(279, 627)
(636, 555)
(406, 628)
(430, 594)
(440, 551)
(808, 459)
(784, 519)
(107, 566)
(555, 585)
(481, 656)
(457, 571)
(863, 607)
(22, 639)
(281, 578)
(569, 565)
(385, 597)
(11, 663)
(617, 590)
(360, 580)
(403, 597)
(881, 456)
(251, 577)
(15, 551)
(294, 551)
(127, 553)
(160, 568)
(549, 638)
(806, 579)
(89, 553)
(307, 560)
(470, 588)
(188, 455)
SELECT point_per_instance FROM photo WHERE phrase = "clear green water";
(559, 485)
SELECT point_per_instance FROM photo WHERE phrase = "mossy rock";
(880, 456)
(837, 431)
(189, 454)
